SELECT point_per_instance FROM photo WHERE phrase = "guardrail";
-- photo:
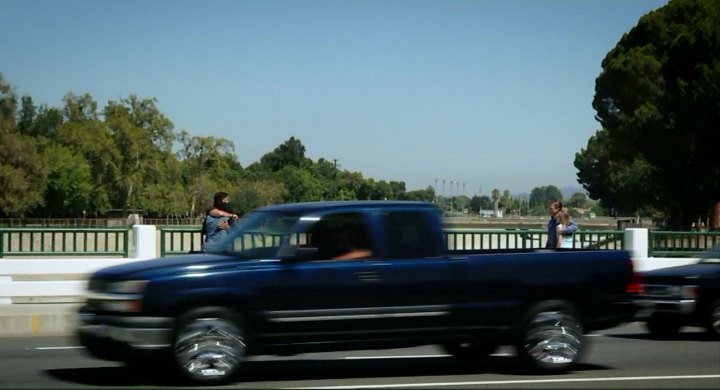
(64, 242)
(175, 240)
(681, 244)
(474, 239)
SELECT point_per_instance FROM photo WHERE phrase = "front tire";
(663, 326)
(209, 345)
(713, 319)
(552, 337)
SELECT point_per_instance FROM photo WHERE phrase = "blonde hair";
(563, 217)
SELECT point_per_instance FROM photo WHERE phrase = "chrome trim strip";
(383, 331)
(357, 313)
(359, 317)
(113, 297)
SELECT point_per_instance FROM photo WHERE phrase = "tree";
(208, 165)
(143, 136)
(85, 134)
(290, 152)
(578, 200)
(657, 101)
(69, 182)
(23, 172)
(540, 197)
(496, 201)
(301, 185)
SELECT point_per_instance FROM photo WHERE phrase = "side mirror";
(296, 253)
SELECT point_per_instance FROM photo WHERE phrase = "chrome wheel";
(553, 339)
(714, 321)
(209, 349)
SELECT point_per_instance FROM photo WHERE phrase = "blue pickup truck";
(330, 276)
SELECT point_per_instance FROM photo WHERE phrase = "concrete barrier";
(63, 279)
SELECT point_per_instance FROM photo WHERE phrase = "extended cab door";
(398, 290)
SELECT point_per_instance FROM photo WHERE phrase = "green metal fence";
(182, 240)
(473, 239)
(64, 242)
(680, 244)
(177, 240)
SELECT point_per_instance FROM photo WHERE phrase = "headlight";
(127, 287)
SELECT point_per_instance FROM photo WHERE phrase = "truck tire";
(552, 337)
(663, 326)
(469, 351)
(209, 345)
(713, 319)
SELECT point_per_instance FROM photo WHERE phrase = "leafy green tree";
(290, 152)
(578, 200)
(23, 172)
(426, 195)
(327, 172)
(657, 101)
(301, 185)
(540, 197)
(143, 136)
(259, 192)
(84, 133)
(69, 182)
(209, 165)
(507, 203)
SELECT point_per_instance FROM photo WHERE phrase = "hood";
(163, 265)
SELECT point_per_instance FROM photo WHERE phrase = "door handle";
(368, 276)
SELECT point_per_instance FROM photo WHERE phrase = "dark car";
(687, 295)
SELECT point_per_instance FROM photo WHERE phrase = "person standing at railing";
(552, 231)
(218, 219)
(564, 240)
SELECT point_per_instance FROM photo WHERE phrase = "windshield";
(259, 235)
(711, 256)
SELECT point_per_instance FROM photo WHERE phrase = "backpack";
(203, 229)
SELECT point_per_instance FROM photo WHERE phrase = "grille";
(98, 285)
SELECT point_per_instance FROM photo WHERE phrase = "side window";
(408, 235)
(342, 236)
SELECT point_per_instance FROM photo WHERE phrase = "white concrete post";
(636, 241)
(144, 242)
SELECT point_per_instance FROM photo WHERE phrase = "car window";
(409, 235)
(340, 236)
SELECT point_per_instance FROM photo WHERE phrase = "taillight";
(635, 286)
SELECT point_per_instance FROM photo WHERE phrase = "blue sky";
(489, 93)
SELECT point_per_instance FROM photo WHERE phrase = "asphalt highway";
(625, 357)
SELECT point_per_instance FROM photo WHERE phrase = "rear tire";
(209, 345)
(552, 337)
(713, 319)
(663, 326)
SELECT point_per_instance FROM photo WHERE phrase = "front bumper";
(123, 338)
